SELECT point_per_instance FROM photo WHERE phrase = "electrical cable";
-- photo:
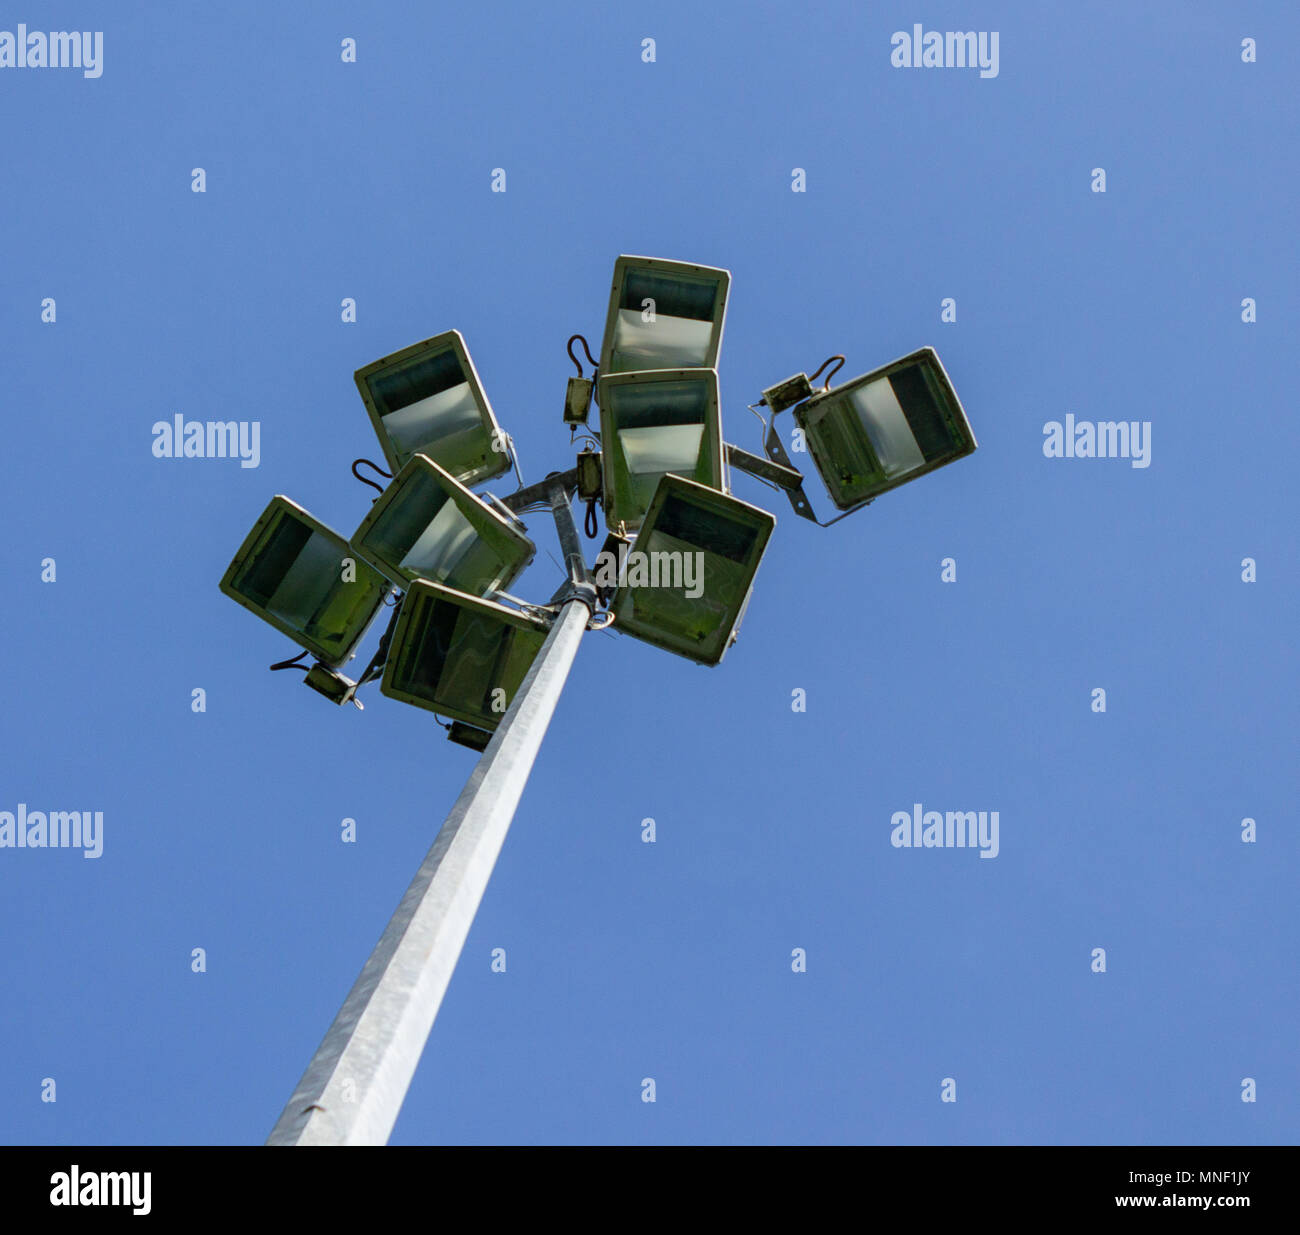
(363, 480)
(827, 384)
(380, 658)
(514, 458)
(585, 348)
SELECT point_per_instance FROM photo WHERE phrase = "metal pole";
(355, 1084)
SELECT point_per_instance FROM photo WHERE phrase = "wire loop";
(826, 385)
(357, 463)
(572, 339)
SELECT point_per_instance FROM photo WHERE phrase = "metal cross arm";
(532, 495)
(777, 472)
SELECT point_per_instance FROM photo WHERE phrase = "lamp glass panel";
(891, 437)
(922, 399)
(302, 595)
(664, 343)
(444, 545)
(653, 453)
(397, 522)
(410, 382)
(681, 332)
(438, 418)
(674, 295)
(656, 428)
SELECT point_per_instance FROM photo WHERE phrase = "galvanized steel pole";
(355, 1084)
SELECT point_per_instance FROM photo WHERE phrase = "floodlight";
(302, 578)
(653, 424)
(460, 656)
(664, 315)
(677, 571)
(884, 429)
(427, 525)
(428, 399)
(694, 540)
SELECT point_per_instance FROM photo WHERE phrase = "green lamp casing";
(304, 579)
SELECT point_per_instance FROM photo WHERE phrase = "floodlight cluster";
(444, 557)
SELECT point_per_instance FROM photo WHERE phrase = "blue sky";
(626, 960)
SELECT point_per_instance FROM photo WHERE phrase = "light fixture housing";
(664, 315)
(652, 424)
(590, 476)
(427, 525)
(885, 428)
(334, 686)
(452, 653)
(728, 535)
(291, 572)
(577, 400)
(427, 399)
